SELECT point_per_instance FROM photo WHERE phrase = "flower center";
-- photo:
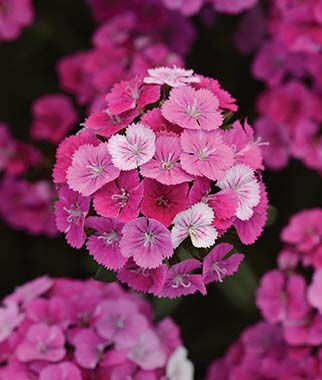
(74, 213)
(148, 238)
(122, 197)
(181, 280)
(219, 271)
(202, 153)
(42, 348)
(193, 109)
(161, 201)
(109, 237)
(95, 170)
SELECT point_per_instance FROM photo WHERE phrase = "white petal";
(203, 237)
(179, 367)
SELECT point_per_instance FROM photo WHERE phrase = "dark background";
(27, 71)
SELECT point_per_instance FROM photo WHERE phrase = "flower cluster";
(261, 353)
(289, 63)
(191, 7)
(14, 16)
(284, 295)
(82, 330)
(132, 36)
(24, 204)
(287, 345)
(158, 177)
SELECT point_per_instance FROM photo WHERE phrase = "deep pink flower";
(195, 222)
(103, 244)
(132, 94)
(42, 342)
(66, 150)
(106, 124)
(193, 109)
(154, 120)
(147, 241)
(7, 147)
(143, 279)
(120, 322)
(224, 203)
(182, 281)
(231, 6)
(205, 154)
(91, 169)
(134, 149)
(187, 8)
(174, 77)
(14, 16)
(121, 198)
(53, 117)
(165, 166)
(64, 370)
(71, 210)
(163, 202)
(216, 267)
(314, 291)
(241, 179)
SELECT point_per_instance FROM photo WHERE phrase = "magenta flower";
(195, 222)
(134, 149)
(103, 244)
(53, 116)
(231, 6)
(241, 179)
(193, 109)
(187, 8)
(91, 169)
(89, 348)
(143, 279)
(174, 77)
(205, 154)
(31, 290)
(14, 16)
(216, 267)
(154, 120)
(64, 370)
(120, 322)
(71, 210)
(163, 202)
(182, 281)
(121, 198)
(314, 291)
(147, 241)
(165, 166)
(132, 94)
(42, 342)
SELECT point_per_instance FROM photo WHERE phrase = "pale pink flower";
(134, 149)
(165, 165)
(181, 280)
(10, 318)
(33, 289)
(193, 109)
(179, 367)
(163, 202)
(143, 279)
(195, 222)
(121, 198)
(241, 179)
(147, 352)
(233, 6)
(120, 322)
(91, 169)
(71, 210)
(147, 241)
(42, 342)
(205, 154)
(61, 371)
(174, 77)
(131, 94)
(314, 291)
(216, 266)
(103, 244)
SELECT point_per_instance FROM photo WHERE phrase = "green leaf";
(272, 215)
(105, 275)
(165, 306)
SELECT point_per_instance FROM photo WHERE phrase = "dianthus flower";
(163, 187)
(69, 329)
